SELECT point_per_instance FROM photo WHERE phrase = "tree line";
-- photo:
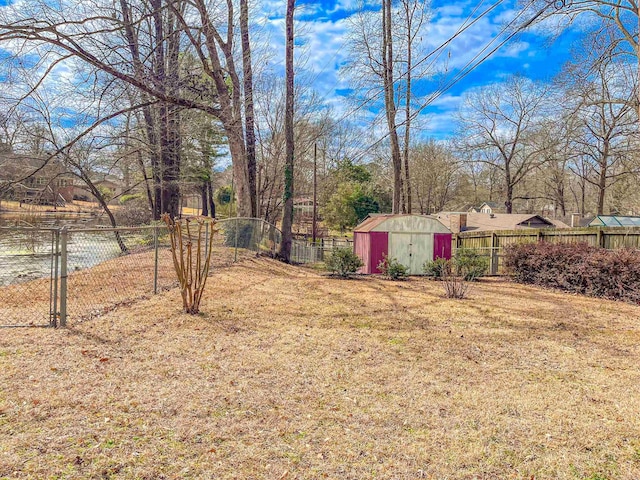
(165, 91)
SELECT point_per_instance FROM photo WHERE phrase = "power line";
(470, 66)
(464, 26)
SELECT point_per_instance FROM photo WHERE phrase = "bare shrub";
(191, 248)
(454, 282)
(133, 212)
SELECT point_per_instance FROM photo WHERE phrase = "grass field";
(294, 375)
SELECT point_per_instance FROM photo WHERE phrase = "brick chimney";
(458, 222)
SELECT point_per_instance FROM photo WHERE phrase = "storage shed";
(411, 239)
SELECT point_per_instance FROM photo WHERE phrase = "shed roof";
(370, 222)
(401, 223)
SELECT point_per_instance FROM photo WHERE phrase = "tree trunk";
(602, 188)
(407, 120)
(509, 201)
(204, 200)
(171, 179)
(287, 214)
(212, 204)
(146, 181)
(249, 115)
(240, 171)
(560, 200)
(229, 99)
(390, 106)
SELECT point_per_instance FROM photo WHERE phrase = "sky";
(324, 26)
(322, 52)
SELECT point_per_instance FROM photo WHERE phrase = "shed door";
(412, 250)
(362, 245)
(442, 245)
(379, 247)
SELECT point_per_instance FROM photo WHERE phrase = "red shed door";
(379, 246)
(362, 245)
(441, 245)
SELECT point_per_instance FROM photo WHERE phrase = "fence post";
(493, 263)
(155, 265)
(63, 276)
(235, 252)
(600, 238)
(53, 320)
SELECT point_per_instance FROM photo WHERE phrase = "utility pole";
(315, 193)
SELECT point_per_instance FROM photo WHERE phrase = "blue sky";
(324, 25)
(321, 50)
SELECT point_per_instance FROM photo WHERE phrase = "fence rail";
(492, 244)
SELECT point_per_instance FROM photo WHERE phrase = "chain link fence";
(28, 268)
(106, 268)
(55, 276)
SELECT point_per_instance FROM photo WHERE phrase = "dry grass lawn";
(294, 375)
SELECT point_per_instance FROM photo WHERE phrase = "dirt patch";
(291, 374)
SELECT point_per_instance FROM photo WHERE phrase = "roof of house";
(614, 221)
(557, 223)
(503, 221)
(477, 207)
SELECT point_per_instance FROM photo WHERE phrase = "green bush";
(470, 264)
(435, 268)
(129, 197)
(343, 262)
(391, 268)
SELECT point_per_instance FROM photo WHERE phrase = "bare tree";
(605, 117)
(249, 114)
(413, 17)
(436, 176)
(553, 139)
(382, 48)
(496, 125)
(139, 43)
(614, 27)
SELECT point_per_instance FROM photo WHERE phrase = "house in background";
(411, 239)
(464, 222)
(110, 185)
(487, 207)
(36, 180)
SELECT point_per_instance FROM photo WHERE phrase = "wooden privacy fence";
(491, 244)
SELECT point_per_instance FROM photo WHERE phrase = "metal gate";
(29, 272)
